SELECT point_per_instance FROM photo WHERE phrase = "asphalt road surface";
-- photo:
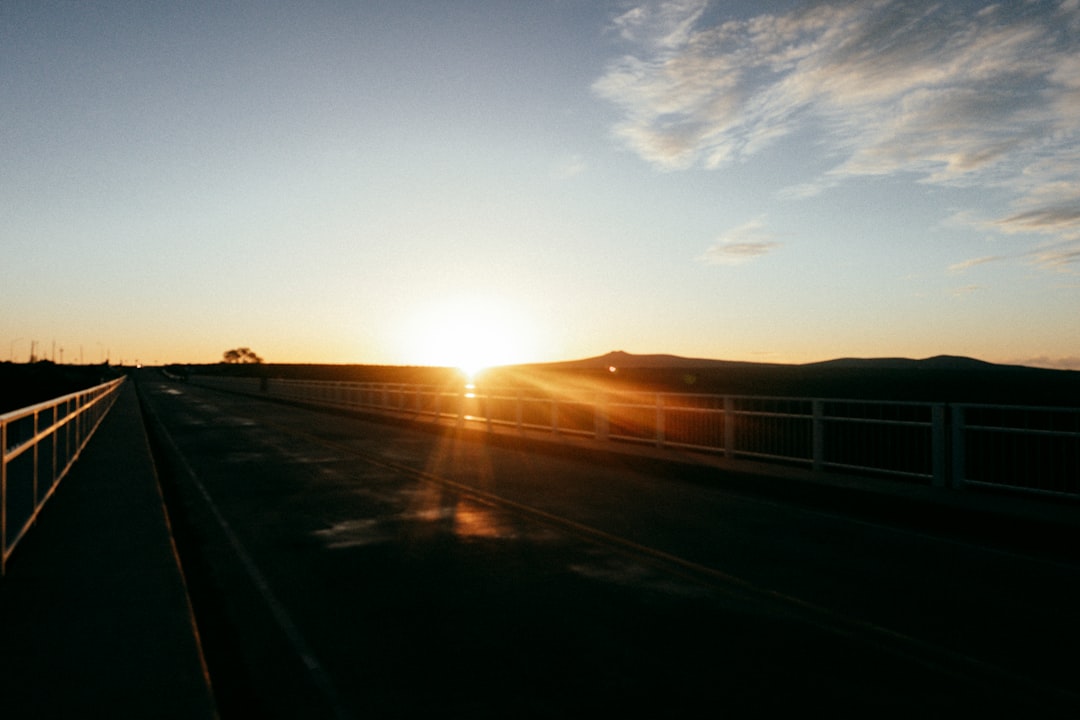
(344, 567)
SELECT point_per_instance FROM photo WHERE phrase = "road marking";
(300, 646)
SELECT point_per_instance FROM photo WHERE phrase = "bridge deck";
(94, 617)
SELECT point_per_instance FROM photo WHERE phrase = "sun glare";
(470, 334)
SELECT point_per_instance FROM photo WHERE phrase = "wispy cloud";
(949, 93)
(966, 290)
(741, 245)
(1059, 222)
(660, 25)
(967, 264)
(1047, 217)
(1062, 259)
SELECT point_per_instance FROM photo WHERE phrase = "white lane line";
(317, 672)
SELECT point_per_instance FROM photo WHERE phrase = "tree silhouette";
(240, 356)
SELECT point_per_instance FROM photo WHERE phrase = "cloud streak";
(966, 290)
(967, 264)
(740, 245)
(950, 93)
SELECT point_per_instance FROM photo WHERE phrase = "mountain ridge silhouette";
(622, 359)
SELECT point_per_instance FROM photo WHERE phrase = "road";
(344, 567)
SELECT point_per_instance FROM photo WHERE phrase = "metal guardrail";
(38, 446)
(1035, 450)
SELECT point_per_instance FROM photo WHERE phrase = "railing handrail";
(16, 414)
(1036, 408)
(510, 392)
(40, 483)
(490, 391)
(929, 441)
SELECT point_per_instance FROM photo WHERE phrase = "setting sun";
(471, 334)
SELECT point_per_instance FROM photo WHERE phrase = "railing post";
(520, 412)
(729, 427)
(84, 424)
(55, 441)
(937, 446)
(817, 429)
(3, 497)
(660, 430)
(554, 415)
(69, 428)
(601, 421)
(37, 445)
(957, 447)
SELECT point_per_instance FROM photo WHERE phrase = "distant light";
(612, 368)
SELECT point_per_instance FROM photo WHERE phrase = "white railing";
(1030, 449)
(38, 446)
(1035, 448)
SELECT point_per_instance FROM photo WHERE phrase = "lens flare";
(470, 334)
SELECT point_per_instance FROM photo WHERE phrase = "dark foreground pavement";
(94, 615)
(420, 574)
(95, 620)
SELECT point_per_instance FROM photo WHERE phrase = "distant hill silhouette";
(938, 362)
(621, 359)
(943, 378)
(624, 360)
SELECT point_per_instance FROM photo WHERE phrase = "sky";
(475, 182)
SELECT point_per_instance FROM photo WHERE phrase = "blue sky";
(489, 182)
